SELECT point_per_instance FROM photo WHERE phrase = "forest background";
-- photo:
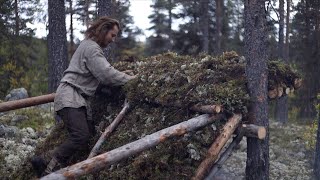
(211, 27)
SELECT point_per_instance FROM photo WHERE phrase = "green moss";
(36, 118)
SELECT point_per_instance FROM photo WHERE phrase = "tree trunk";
(104, 160)
(286, 57)
(105, 9)
(170, 26)
(317, 153)
(206, 165)
(16, 12)
(86, 11)
(71, 51)
(57, 43)
(281, 103)
(219, 5)
(256, 70)
(204, 8)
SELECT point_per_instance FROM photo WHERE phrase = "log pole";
(216, 147)
(22, 103)
(101, 161)
(109, 130)
(225, 155)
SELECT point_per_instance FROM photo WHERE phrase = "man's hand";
(129, 72)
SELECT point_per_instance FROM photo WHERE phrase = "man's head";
(103, 31)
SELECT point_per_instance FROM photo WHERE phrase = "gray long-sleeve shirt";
(88, 67)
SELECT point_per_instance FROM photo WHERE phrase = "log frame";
(114, 156)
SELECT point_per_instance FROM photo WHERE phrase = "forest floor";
(289, 157)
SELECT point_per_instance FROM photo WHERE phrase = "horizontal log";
(217, 146)
(207, 108)
(251, 130)
(101, 161)
(22, 103)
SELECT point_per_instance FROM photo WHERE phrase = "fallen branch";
(109, 130)
(114, 156)
(22, 103)
(216, 147)
(224, 156)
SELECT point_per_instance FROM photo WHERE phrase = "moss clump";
(169, 79)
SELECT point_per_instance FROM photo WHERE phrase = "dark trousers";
(79, 132)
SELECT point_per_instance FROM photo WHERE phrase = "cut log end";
(251, 130)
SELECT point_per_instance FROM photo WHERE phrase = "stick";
(109, 129)
(101, 161)
(216, 147)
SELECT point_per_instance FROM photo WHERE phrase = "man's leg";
(75, 121)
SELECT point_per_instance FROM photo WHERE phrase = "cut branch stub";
(101, 161)
(251, 130)
(207, 108)
(216, 147)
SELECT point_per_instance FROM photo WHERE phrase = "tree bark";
(102, 161)
(71, 51)
(316, 169)
(57, 43)
(109, 130)
(216, 147)
(16, 12)
(281, 103)
(204, 9)
(256, 70)
(105, 8)
(219, 6)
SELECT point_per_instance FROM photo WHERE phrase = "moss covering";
(169, 80)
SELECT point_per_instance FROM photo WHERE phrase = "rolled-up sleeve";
(100, 68)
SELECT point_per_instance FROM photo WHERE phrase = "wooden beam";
(22, 103)
(101, 161)
(216, 147)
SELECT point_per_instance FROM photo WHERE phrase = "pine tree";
(256, 70)
(161, 20)
(57, 43)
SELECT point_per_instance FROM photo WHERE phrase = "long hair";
(99, 28)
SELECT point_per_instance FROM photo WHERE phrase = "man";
(87, 69)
